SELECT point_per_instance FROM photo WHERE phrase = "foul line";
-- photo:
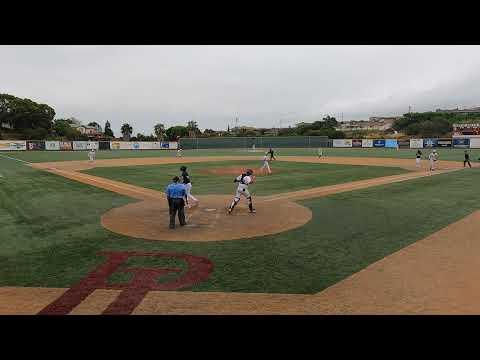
(12, 158)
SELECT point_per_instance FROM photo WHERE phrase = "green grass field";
(44, 156)
(288, 176)
(50, 227)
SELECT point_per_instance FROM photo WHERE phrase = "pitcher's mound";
(209, 221)
(235, 171)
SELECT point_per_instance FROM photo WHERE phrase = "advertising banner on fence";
(430, 143)
(461, 143)
(172, 145)
(403, 143)
(475, 143)
(121, 145)
(65, 145)
(35, 145)
(92, 145)
(356, 143)
(416, 143)
(342, 143)
(391, 143)
(52, 145)
(379, 143)
(11, 145)
(79, 145)
(367, 143)
(444, 142)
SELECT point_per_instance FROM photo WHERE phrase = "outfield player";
(265, 164)
(91, 155)
(320, 152)
(467, 159)
(243, 181)
(188, 185)
(419, 158)
(179, 151)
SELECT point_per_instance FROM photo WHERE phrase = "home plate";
(210, 210)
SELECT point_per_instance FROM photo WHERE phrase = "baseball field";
(357, 231)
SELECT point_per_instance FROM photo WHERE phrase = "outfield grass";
(50, 232)
(45, 156)
(287, 176)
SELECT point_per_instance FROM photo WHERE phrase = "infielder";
(418, 159)
(433, 157)
(272, 156)
(188, 185)
(320, 152)
(265, 164)
(242, 190)
(91, 155)
(179, 152)
(467, 159)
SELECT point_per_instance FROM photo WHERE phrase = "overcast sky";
(262, 85)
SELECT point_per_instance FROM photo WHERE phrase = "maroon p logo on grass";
(143, 281)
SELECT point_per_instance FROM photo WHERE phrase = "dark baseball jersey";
(185, 177)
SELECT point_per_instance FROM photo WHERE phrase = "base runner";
(243, 181)
(266, 164)
(188, 186)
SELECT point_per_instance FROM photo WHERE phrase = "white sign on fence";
(11, 145)
(416, 143)
(80, 145)
(342, 143)
(367, 143)
(52, 145)
(474, 143)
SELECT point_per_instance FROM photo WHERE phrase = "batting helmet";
(249, 172)
(183, 168)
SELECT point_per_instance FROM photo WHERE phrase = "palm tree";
(127, 131)
(159, 130)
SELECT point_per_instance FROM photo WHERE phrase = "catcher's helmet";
(183, 168)
(249, 172)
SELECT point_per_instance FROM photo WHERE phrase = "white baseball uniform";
(266, 164)
(242, 189)
(91, 155)
(433, 158)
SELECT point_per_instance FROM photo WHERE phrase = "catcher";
(243, 181)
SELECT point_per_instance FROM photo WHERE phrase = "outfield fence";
(246, 143)
(257, 142)
(32, 145)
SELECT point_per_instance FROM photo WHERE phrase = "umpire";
(176, 195)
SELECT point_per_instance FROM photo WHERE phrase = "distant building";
(475, 110)
(373, 123)
(86, 130)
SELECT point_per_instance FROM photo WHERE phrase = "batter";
(188, 186)
(242, 190)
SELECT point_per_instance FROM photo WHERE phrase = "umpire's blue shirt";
(176, 191)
